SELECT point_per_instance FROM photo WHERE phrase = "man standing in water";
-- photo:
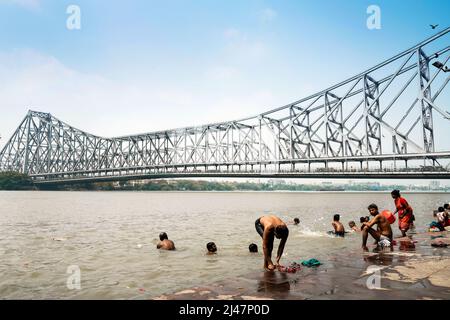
(269, 227)
(384, 233)
(405, 212)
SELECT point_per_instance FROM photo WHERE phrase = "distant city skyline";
(405, 182)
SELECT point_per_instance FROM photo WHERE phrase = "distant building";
(276, 181)
(135, 183)
(435, 185)
(373, 184)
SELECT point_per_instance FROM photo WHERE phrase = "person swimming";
(339, 230)
(296, 221)
(269, 227)
(253, 248)
(165, 243)
(211, 247)
(353, 227)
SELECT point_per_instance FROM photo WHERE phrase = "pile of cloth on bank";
(296, 266)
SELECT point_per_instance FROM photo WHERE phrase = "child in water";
(339, 230)
(353, 226)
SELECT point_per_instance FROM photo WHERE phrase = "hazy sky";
(140, 66)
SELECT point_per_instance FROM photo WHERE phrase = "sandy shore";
(412, 270)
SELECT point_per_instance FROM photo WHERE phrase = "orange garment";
(405, 213)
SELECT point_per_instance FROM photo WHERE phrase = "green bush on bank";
(15, 181)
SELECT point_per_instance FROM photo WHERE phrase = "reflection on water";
(407, 245)
(274, 284)
(112, 237)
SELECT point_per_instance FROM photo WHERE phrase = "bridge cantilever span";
(377, 124)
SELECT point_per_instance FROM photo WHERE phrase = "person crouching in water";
(442, 218)
(165, 243)
(383, 234)
(339, 230)
(269, 227)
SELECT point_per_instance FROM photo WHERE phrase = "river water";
(111, 237)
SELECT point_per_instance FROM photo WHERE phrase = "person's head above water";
(352, 224)
(165, 243)
(364, 219)
(253, 248)
(281, 232)
(296, 220)
(336, 217)
(441, 209)
(446, 206)
(211, 246)
(373, 209)
(395, 194)
(163, 236)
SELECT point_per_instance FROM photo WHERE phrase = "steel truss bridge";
(386, 122)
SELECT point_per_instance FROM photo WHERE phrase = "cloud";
(27, 4)
(222, 73)
(268, 15)
(32, 80)
(231, 33)
(243, 47)
(114, 107)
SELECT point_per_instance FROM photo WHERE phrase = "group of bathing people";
(270, 227)
(442, 215)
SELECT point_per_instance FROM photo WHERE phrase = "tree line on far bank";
(19, 181)
(15, 181)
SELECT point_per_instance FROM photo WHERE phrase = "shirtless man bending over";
(269, 227)
(383, 234)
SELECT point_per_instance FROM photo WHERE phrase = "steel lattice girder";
(346, 121)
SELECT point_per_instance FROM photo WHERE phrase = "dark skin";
(270, 223)
(166, 244)
(338, 226)
(384, 228)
